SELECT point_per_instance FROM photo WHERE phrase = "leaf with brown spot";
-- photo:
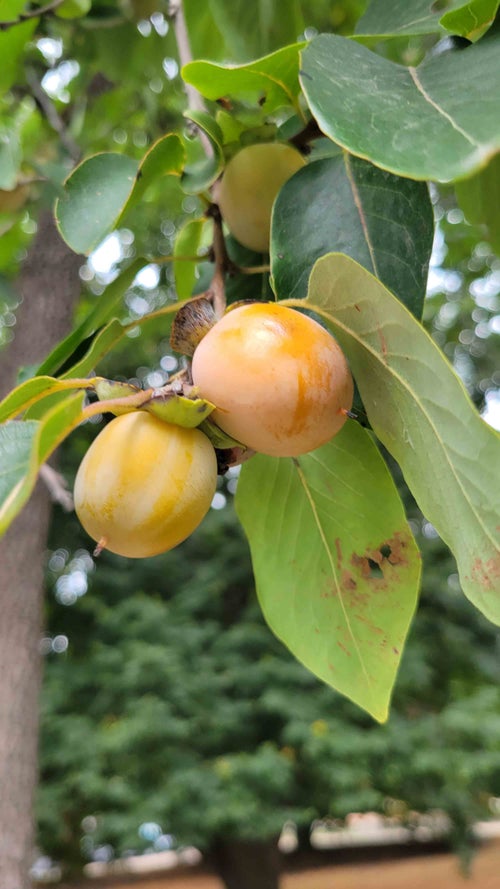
(336, 566)
(421, 412)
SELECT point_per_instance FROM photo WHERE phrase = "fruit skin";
(249, 187)
(279, 381)
(144, 485)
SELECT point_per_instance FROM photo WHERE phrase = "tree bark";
(49, 287)
(247, 864)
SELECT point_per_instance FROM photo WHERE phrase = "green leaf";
(252, 28)
(422, 414)
(472, 19)
(28, 393)
(187, 243)
(94, 198)
(200, 176)
(274, 77)
(411, 121)
(57, 424)
(413, 17)
(165, 158)
(13, 42)
(479, 198)
(335, 563)
(104, 187)
(105, 340)
(105, 307)
(16, 448)
(25, 446)
(347, 205)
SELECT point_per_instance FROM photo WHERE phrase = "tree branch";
(31, 14)
(195, 100)
(52, 116)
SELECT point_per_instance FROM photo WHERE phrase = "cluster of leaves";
(356, 255)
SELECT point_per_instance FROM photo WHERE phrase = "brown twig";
(195, 99)
(222, 261)
(31, 14)
(52, 116)
(57, 487)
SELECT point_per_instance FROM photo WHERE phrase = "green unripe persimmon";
(249, 187)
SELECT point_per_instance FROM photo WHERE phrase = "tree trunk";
(49, 286)
(247, 864)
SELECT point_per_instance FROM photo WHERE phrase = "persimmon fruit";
(249, 187)
(144, 485)
(280, 382)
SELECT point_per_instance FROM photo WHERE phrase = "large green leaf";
(412, 17)
(421, 412)
(103, 187)
(94, 198)
(336, 566)
(274, 77)
(412, 121)
(25, 446)
(347, 205)
(479, 198)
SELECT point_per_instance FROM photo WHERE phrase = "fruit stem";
(217, 289)
(131, 401)
(100, 546)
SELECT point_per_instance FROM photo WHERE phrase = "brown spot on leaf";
(487, 573)
(383, 344)
(347, 581)
(369, 623)
(338, 548)
(343, 647)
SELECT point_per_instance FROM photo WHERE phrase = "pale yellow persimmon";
(144, 485)
(249, 187)
(280, 382)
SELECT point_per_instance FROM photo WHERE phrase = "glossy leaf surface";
(411, 121)
(413, 17)
(274, 77)
(347, 205)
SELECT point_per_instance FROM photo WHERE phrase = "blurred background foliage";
(166, 699)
